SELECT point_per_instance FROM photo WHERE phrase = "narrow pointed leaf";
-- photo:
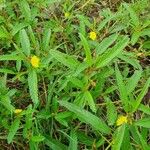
(73, 145)
(122, 89)
(110, 54)
(25, 43)
(144, 122)
(87, 117)
(102, 47)
(33, 86)
(141, 95)
(87, 49)
(89, 99)
(118, 139)
(13, 129)
(133, 81)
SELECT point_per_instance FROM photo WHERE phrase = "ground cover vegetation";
(74, 75)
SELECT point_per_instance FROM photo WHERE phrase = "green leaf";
(33, 39)
(10, 57)
(62, 121)
(25, 43)
(126, 143)
(87, 117)
(104, 22)
(80, 68)
(133, 81)
(84, 22)
(118, 139)
(73, 145)
(144, 144)
(133, 15)
(110, 89)
(6, 102)
(86, 48)
(145, 133)
(121, 87)
(82, 26)
(146, 45)
(76, 82)
(145, 109)
(130, 60)
(65, 59)
(89, 99)
(38, 138)
(13, 129)
(141, 95)
(105, 58)
(62, 117)
(135, 37)
(3, 32)
(144, 122)
(25, 9)
(111, 112)
(18, 65)
(33, 86)
(99, 143)
(18, 26)
(145, 32)
(134, 133)
(28, 121)
(54, 144)
(102, 47)
(84, 139)
(4, 70)
(46, 39)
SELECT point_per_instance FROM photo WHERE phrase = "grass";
(74, 75)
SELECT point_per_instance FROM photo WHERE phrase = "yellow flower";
(35, 61)
(93, 35)
(121, 120)
(17, 111)
(67, 14)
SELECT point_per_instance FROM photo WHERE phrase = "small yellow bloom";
(93, 35)
(67, 14)
(35, 61)
(121, 120)
(17, 111)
